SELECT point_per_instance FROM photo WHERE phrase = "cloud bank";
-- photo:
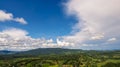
(18, 40)
(98, 22)
(4, 16)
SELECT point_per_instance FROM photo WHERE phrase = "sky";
(73, 24)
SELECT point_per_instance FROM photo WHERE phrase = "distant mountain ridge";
(3, 52)
(42, 51)
(47, 51)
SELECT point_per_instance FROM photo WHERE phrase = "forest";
(57, 57)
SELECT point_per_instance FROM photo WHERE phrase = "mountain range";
(41, 51)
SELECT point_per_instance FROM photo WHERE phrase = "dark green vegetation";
(56, 57)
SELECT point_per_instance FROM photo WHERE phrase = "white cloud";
(112, 39)
(4, 16)
(21, 20)
(97, 37)
(98, 20)
(89, 45)
(18, 40)
(15, 33)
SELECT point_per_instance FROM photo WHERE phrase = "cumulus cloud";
(21, 20)
(112, 39)
(98, 21)
(18, 40)
(15, 33)
(4, 16)
(97, 37)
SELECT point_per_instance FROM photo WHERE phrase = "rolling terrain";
(58, 57)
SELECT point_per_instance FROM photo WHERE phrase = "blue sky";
(45, 18)
(74, 24)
